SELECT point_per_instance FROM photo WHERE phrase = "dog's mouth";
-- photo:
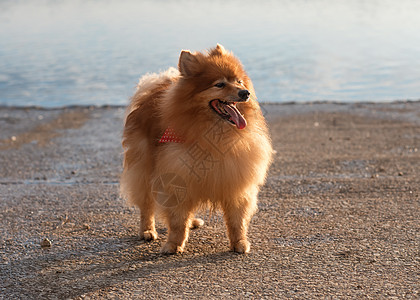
(229, 112)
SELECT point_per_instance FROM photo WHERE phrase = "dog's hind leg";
(147, 217)
(196, 223)
(136, 189)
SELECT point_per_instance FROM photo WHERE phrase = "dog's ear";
(188, 63)
(220, 49)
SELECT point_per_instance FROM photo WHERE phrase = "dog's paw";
(149, 235)
(241, 246)
(196, 223)
(171, 248)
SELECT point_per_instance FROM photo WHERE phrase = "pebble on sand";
(46, 243)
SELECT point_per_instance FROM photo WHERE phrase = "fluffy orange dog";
(192, 138)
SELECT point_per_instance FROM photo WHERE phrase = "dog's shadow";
(113, 261)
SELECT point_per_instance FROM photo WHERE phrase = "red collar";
(169, 136)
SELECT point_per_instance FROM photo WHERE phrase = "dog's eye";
(220, 85)
(240, 82)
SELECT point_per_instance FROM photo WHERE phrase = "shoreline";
(287, 103)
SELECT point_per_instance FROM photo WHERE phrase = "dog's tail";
(148, 84)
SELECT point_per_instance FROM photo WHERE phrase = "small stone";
(46, 243)
(400, 174)
(13, 138)
(86, 226)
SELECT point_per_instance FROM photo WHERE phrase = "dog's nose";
(244, 94)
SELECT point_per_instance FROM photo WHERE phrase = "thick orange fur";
(217, 164)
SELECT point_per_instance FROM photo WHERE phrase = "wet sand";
(339, 215)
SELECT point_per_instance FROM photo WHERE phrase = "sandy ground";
(339, 216)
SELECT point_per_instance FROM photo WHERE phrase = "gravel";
(339, 216)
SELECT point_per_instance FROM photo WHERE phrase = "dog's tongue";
(235, 116)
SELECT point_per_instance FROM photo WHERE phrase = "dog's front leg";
(237, 215)
(179, 224)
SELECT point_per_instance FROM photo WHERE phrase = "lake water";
(56, 53)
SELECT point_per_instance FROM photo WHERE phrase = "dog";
(195, 137)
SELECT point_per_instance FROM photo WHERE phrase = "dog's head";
(215, 85)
